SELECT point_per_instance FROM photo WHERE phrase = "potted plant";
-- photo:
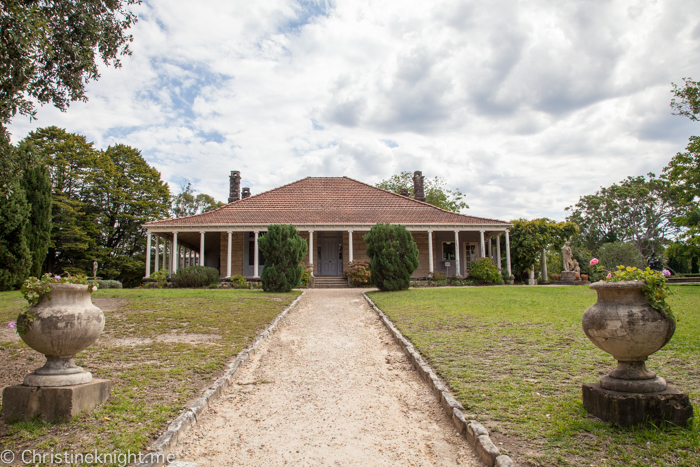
(631, 320)
(60, 321)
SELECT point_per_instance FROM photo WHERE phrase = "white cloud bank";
(524, 106)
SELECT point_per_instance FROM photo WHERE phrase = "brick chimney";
(404, 192)
(418, 192)
(246, 192)
(234, 193)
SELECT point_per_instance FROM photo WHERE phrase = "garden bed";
(516, 358)
(160, 349)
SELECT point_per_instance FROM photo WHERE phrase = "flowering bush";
(33, 289)
(359, 273)
(655, 288)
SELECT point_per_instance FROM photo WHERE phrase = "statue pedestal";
(630, 408)
(52, 404)
(568, 276)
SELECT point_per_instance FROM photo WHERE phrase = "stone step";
(330, 282)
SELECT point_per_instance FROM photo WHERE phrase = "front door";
(330, 257)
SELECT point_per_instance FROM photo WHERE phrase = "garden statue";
(568, 256)
(94, 270)
(576, 268)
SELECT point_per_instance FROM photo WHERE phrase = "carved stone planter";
(66, 322)
(623, 324)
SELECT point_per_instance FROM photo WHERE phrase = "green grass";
(516, 357)
(152, 381)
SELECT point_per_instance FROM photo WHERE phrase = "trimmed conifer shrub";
(36, 183)
(195, 276)
(15, 258)
(283, 249)
(393, 256)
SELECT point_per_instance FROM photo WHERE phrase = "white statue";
(94, 269)
(568, 257)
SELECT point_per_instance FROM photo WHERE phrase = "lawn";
(516, 357)
(160, 349)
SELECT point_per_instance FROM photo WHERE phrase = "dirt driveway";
(330, 387)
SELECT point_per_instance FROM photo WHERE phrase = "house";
(332, 214)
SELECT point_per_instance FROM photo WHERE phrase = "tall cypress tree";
(15, 258)
(36, 183)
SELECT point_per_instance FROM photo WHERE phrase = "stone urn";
(624, 324)
(66, 322)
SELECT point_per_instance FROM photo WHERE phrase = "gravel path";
(330, 387)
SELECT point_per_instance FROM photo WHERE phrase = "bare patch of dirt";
(169, 338)
(8, 335)
(109, 304)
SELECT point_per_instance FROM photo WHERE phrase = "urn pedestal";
(624, 324)
(64, 323)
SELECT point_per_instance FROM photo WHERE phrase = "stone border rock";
(474, 432)
(167, 441)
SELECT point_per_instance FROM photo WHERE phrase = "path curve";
(330, 387)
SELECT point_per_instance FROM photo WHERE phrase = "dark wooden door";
(330, 257)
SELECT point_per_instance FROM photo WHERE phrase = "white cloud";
(524, 106)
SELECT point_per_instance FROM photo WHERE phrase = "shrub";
(437, 276)
(283, 249)
(161, 278)
(614, 254)
(306, 275)
(108, 284)
(195, 276)
(393, 256)
(484, 271)
(505, 276)
(359, 273)
(238, 282)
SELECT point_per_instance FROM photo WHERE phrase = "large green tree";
(639, 210)
(100, 201)
(434, 189)
(187, 203)
(283, 249)
(686, 99)
(528, 239)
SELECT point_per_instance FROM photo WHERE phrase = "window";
(469, 254)
(448, 251)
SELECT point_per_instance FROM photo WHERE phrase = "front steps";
(330, 282)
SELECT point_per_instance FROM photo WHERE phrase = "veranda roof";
(327, 201)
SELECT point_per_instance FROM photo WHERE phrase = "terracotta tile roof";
(326, 200)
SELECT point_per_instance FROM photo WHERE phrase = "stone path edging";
(474, 432)
(166, 441)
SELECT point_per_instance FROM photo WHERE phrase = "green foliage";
(689, 95)
(306, 275)
(36, 184)
(15, 257)
(108, 284)
(637, 210)
(359, 273)
(613, 254)
(195, 276)
(484, 271)
(161, 278)
(529, 238)
(49, 50)
(186, 203)
(434, 189)
(100, 201)
(283, 250)
(655, 287)
(393, 256)
(238, 282)
(437, 276)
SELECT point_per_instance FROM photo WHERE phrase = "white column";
(430, 252)
(255, 261)
(228, 255)
(350, 244)
(155, 263)
(165, 255)
(311, 251)
(543, 260)
(482, 252)
(201, 248)
(508, 253)
(457, 271)
(148, 254)
(498, 251)
(175, 256)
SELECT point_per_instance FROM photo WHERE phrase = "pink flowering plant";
(597, 270)
(359, 273)
(35, 288)
(655, 288)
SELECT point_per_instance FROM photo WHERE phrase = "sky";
(523, 105)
